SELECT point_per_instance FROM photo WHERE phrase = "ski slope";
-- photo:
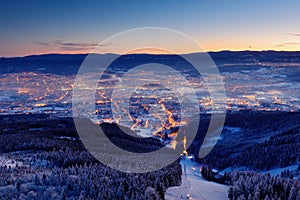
(196, 186)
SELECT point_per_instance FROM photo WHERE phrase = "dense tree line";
(255, 186)
(88, 181)
(281, 150)
(265, 140)
(278, 150)
(46, 166)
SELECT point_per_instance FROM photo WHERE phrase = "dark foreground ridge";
(256, 139)
(43, 158)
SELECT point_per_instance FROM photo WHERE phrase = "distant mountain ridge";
(66, 64)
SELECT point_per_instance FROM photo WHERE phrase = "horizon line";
(145, 53)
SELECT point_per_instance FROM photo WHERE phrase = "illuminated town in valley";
(265, 86)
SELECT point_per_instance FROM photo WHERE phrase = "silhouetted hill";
(46, 124)
(70, 63)
(256, 139)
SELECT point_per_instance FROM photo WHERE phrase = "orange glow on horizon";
(206, 48)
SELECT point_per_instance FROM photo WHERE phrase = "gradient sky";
(57, 26)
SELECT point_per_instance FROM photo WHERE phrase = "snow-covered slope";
(194, 185)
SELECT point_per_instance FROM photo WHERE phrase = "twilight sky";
(65, 26)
